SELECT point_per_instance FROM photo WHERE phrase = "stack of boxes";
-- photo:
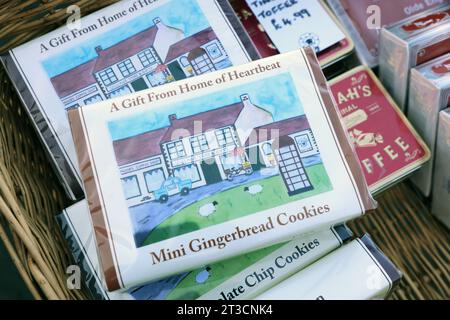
(411, 46)
(414, 65)
(386, 121)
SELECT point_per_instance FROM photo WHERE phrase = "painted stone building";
(206, 147)
(150, 58)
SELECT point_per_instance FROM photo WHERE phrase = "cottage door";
(255, 158)
(176, 71)
(211, 172)
(291, 167)
(139, 85)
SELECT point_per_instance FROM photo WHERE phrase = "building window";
(189, 172)
(74, 106)
(126, 67)
(202, 64)
(147, 58)
(199, 144)
(120, 92)
(108, 76)
(304, 143)
(176, 150)
(267, 149)
(224, 136)
(157, 78)
(184, 61)
(154, 179)
(214, 51)
(93, 99)
(131, 187)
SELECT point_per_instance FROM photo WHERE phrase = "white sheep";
(208, 209)
(203, 275)
(254, 189)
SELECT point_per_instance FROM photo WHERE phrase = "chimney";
(157, 21)
(245, 98)
(172, 118)
(98, 49)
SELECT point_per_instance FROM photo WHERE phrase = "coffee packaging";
(388, 147)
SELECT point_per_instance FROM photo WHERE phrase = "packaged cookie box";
(208, 168)
(240, 278)
(357, 271)
(123, 48)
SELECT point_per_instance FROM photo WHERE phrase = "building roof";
(75, 79)
(125, 48)
(188, 44)
(82, 76)
(147, 145)
(139, 147)
(210, 120)
(278, 129)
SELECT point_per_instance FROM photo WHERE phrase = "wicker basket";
(30, 195)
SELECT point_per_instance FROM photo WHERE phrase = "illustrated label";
(427, 21)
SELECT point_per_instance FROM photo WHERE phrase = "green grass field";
(189, 289)
(235, 203)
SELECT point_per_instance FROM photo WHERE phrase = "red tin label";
(433, 51)
(386, 144)
(442, 68)
(425, 22)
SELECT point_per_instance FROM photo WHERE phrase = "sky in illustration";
(276, 95)
(185, 15)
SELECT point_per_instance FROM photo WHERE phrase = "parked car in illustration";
(172, 186)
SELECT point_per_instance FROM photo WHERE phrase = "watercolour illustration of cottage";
(216, 165)
(154, 56)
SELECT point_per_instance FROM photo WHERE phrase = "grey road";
(147, 216)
